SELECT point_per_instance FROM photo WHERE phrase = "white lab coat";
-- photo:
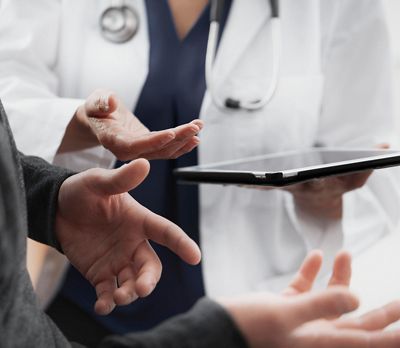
(334, 89)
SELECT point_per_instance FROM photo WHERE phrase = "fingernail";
(102, 103)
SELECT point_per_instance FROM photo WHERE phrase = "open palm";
(299, 318)
(113, 125)
(104, 233)
(331, 332)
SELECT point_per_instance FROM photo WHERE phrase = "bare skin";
(301, 319)
(185, 14)
(109, 245)
(104, 120)
(324, 198)
(109, 242)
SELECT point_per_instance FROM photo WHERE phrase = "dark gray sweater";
(28, 202)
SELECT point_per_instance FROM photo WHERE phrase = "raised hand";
(105, 234)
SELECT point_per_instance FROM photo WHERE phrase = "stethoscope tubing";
(130, 26)
(212, 43)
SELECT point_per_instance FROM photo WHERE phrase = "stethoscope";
(217, 7)
(119, 23)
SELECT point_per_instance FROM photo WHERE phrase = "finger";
(105, 302)
(198, 123)
(169, 150)
(185, 141)
(120, 180)
(126, 293)
(139, 278)
(154, 145)
(148, 269)
(305, 277)
(175, 149)
(186, 148)
(143, 146)
(348, 339)
(341, 274)
(186, 131)
(332, 302)
(389, 339)
(377, 319)
(166, 233)
(101, 103)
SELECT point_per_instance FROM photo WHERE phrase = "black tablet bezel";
(389, 158)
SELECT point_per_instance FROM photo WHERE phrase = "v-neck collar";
(204, 13)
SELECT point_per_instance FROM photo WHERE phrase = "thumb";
(123, 179)
(332, 302)
(101, 103)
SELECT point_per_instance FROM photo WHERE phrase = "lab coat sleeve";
(357, 110)
(29, 85)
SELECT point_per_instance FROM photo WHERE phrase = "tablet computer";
(288, 168)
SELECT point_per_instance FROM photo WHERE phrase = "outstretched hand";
(303, 319)
(105, 234)
(104, 119)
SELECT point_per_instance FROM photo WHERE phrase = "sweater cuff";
(206, 325)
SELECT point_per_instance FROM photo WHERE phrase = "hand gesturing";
(104, 119)
(104, 233)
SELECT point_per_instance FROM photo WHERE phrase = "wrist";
(78, 134)
(245, 319)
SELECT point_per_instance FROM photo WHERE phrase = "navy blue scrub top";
(172, 95)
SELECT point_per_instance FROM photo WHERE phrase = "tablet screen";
(296, 160)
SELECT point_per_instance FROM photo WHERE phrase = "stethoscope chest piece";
(119, 24)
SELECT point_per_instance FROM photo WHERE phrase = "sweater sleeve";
(42, 183)
(206, 325)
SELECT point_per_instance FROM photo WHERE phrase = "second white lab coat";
(334, 89)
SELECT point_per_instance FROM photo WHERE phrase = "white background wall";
(392, 8)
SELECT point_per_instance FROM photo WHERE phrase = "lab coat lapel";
(238, 34)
